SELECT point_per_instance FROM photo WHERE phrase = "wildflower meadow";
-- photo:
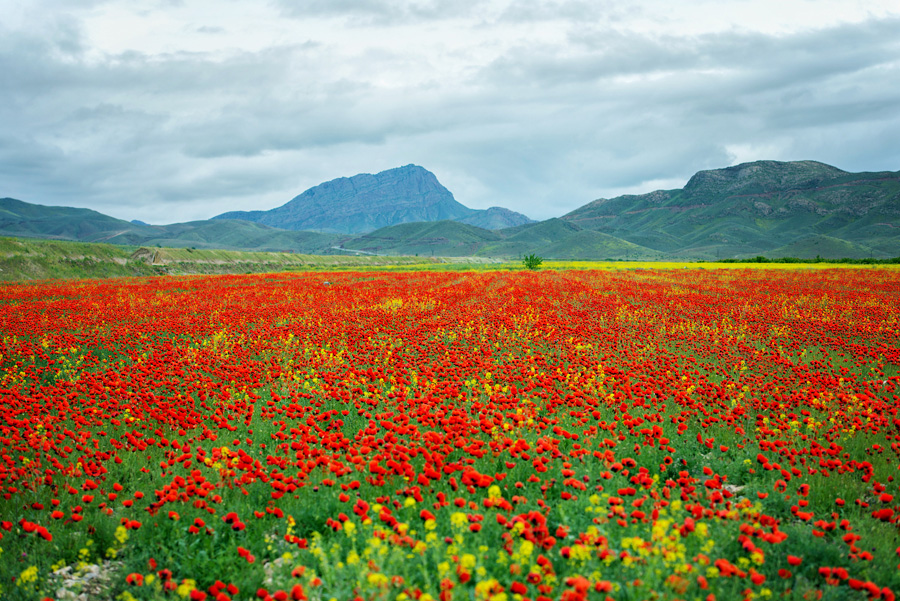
(503, 436)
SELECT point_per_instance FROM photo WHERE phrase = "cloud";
(369, 12)
(575, 11)
(538, 106)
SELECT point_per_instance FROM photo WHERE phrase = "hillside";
(18, 218)
(815, 246)
(593, 245)
(440, 239)
(22, 219)
(495, 218)
(528, 239)
(28, 259)
(755, 208)
(366, 202)
(558, 239)
(32, 259)
(552, 239)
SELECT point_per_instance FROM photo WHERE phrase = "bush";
(532, 261)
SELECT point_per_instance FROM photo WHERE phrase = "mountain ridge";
(366, 202)
(754, 208)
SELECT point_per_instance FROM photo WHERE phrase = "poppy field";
(502, 436)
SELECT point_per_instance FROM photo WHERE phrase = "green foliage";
(818, 259)
(532, 261)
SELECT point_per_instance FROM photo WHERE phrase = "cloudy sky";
(172, 110)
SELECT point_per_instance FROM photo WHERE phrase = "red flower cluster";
(604, 419)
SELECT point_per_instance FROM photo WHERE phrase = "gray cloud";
(576, 11)
(539, 124)
(381, 12)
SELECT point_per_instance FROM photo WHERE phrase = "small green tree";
(532, 261)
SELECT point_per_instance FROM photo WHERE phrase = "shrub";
(532, 261)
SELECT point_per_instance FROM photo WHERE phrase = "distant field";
(559, 265)
(33, 259)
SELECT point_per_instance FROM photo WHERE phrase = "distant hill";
(815, 246)
(755, 208)
(18, 218)
(529, 238)
(442, 238)
(496, 218)
(552, 239)
(365, 202)
(558, 239)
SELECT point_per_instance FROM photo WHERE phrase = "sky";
(176, 110)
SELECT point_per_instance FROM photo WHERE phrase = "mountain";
(366, 202)
(496, 218)
(754, 208)
(22, 219)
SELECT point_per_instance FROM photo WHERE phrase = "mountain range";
(776, 209)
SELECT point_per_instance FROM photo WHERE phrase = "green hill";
(23, 219)
(755, 208)
(30, 259)
(240, 235)
(19, 218)
(590, 244)
(822, 246)
(527, 239)
(441, 238)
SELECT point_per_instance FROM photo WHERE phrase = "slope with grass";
(755, 208)
(496, 218)
(443, 238)
(24, 219)
(32, 259)
(814, 246)
(18, 218)
(29, 259)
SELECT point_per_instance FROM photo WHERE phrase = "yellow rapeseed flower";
(459, 519)
(27, 576)
(121, 535)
